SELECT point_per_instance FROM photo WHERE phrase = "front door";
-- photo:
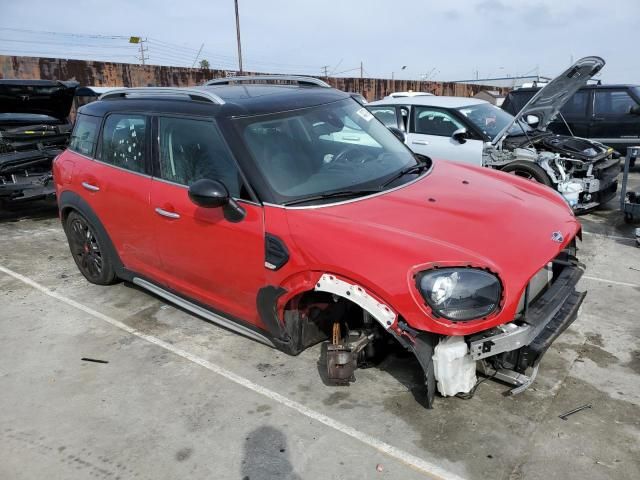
(576, 115)
(431, 133)
(205, 256)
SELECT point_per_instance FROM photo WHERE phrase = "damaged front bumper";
(599, 185)
(512, 352)
(26, 176)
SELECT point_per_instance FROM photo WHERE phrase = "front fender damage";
(353, 319)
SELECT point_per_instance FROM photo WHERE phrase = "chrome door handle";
(167, 214)
(420, 142)
(91, 188)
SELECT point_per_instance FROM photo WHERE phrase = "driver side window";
(429, 121)
(194, 149)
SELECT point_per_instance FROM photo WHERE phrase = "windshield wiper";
(336, 194)
(417, 168)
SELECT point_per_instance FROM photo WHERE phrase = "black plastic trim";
(276, 252)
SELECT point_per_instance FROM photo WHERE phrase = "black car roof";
(239, 100)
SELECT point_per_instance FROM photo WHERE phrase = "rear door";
(205, 256)
(430, 133)
(612, 122)
(117, 184)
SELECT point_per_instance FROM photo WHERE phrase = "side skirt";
(203, 312)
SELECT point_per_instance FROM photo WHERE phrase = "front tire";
(529, 171)
(88, 248)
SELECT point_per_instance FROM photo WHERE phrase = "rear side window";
(123, 141)
(85, 134)
(435, 122)
(576, 106)
(386, 115)
(613, 102)
(194, 149)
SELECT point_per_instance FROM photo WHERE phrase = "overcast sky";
(447, 40)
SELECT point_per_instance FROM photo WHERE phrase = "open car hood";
(551, 98)
(43, 97)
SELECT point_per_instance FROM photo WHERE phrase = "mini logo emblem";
(557, 237)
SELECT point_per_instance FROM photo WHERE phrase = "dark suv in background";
(609, 114)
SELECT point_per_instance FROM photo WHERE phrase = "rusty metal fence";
(108, 74)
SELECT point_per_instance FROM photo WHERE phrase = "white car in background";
(474, 131)
(410, 93)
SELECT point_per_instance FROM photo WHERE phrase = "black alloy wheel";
(88, 250)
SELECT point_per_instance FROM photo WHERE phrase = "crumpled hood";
(457, 215)
(43, 97)
(548, 101)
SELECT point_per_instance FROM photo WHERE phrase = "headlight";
(460, 293)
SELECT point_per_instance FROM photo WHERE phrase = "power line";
(149, 48)
(85, 35)
(67, 44)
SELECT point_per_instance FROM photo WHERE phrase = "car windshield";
(333, 148)
(491, 120)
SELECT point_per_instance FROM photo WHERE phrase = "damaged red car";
(286, 212)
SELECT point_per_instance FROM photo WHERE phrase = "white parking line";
(613, 282)
(411, 460)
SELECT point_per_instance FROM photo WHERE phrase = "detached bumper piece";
(512, 352)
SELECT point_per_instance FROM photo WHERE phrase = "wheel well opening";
(318, 312)
(64, 213)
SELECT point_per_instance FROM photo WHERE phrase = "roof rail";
(300, 79)
(192, 93)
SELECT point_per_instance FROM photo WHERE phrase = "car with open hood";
(34, 128)
(244, 202)
(473, 131)
(605, 113)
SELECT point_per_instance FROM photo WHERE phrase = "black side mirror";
(635, 110)
(460, 135)
(400, 135)
(209, 193)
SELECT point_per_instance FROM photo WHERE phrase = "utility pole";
(141, 42)
(361, 70)
(198, 55)
(325, 69)
(238, 35)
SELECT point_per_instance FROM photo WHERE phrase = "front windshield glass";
(491, 120)
(321, 150)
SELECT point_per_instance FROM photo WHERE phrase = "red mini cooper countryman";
(283, 210)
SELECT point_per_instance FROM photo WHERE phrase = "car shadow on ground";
(38, 210)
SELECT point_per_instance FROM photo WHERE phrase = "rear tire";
(89, 250)
(529, 171)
